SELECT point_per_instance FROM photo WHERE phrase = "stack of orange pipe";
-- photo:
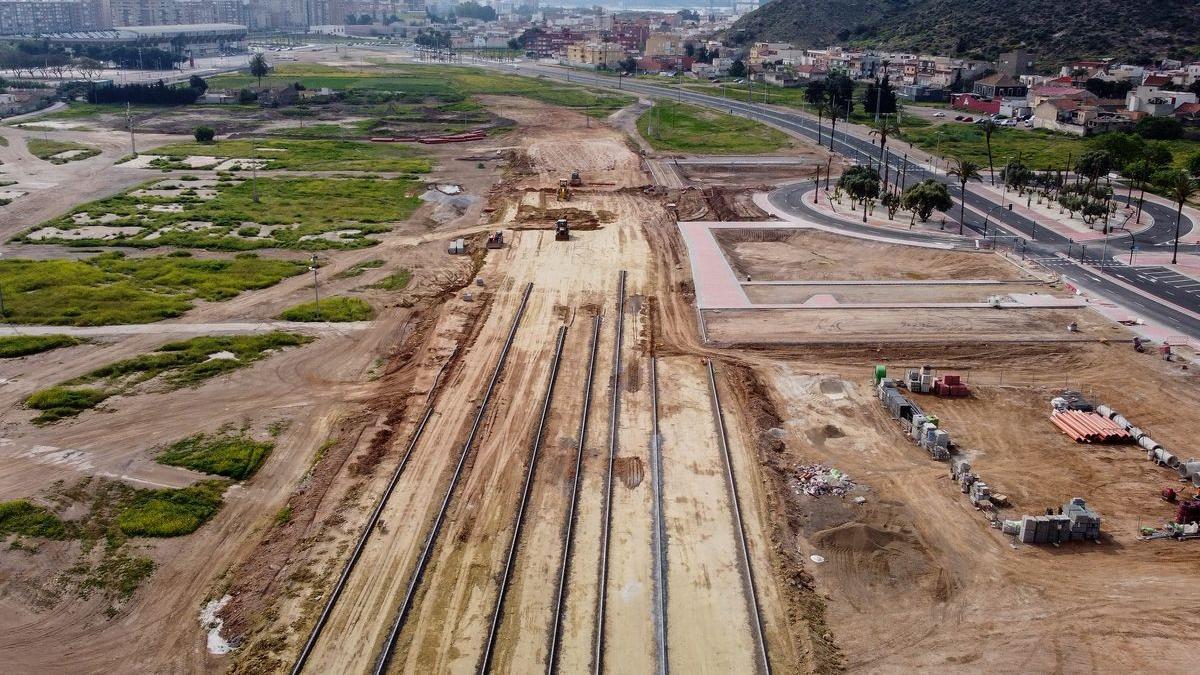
(1088, 427)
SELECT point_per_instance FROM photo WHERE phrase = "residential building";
(920, 93)
(999, 85)
(1016, 63)
(34, 17)
(543, 43)
(1152, 100)
(665, 44)
(595, 54)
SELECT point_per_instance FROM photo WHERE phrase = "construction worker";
(1073, 327)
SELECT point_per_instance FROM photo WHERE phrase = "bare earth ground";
(913, 578)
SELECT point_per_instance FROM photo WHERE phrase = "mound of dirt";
(879, 555)
(530, 217)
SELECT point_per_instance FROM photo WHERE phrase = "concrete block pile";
(1076, 522)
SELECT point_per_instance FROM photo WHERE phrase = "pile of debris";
(815, 480)
(1185, 526)
(1073, 522)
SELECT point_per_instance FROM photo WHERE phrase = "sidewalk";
(1047, 217)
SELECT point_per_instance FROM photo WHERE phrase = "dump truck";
(576, 179)
(496, 239)
(562, 232)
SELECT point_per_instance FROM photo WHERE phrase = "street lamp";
(996, 229)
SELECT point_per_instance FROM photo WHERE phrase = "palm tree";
(259, 67)
(1181, 188)
(965, 170)
(882, 128)
(988, 128)
(832, 109)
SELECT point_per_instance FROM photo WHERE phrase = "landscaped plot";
(113, 289)
(314, 155)
(59, 152)
(300, 213)
(679, 127)
(175, 364)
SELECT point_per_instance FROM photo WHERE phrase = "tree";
(925, 197)
(737, 69)
(259, 67)
(1017, 176)
(1138, 172)
(474, 10)
(883, 92)
(514, 44)
(989, 128)
(1180, 187)
(1093, 164)
(1159, 153)
(204, 134)
(689, 50)
(862, 184)
(1123, 148)
(814, 94)
(890, 201)
(886, 125)
(1159, 128)
(1193, 165)
(839, 89)
(197, 82)
(965, 170)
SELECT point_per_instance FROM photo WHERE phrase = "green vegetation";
(336, 309)
(306, 213)
(47, 149)
(308, 155)
(58, 402)
(418, 83)
(29, 520)
(283, 516)
(678, 127)
(358, 269)
(112, 289)
(12, 346)
(396, 281)
(232, 456)
(179, 364)
(171, 513)
(1057, 31)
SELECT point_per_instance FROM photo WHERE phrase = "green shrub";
(336, 309)
(22, 345)
(236, 457)
(21, 517)
(358, 268)
(171, 512)
(58, 402)
(204, 134)
(396, 281)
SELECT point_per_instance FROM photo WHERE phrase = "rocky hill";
(1055, 30)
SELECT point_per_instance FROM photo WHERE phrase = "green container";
(880, 373)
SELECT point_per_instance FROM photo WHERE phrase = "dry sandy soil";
(913, 578)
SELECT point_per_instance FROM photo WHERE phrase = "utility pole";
(129, 120)
(316, 294)
(254, 181)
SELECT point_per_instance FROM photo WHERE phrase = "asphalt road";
(1015, 228)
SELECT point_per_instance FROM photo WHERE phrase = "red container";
(952, 379)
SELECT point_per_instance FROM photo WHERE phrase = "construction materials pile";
(922, 428)
(1089, 427)
(1185, 526)
(970, 484)
(1188, 470)
(923, 381)
(1074, 522)
(457, 246)
(815, 480)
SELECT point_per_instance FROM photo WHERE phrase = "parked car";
(968, 119)
(958, 118)
(1028, 125)
(939, 114)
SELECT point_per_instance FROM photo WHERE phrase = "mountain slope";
(1054, 30)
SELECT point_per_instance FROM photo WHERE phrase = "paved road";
(1033, 241)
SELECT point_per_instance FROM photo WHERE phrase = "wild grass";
(678, 127)
(43, 148)
(304, 210)
(396, 281)
(23, 518)
(336, 309)
(112, 289)
(233, 456)
(171, 512)
(12, 346)
(311, 155)
(178, 364)
(357, 269)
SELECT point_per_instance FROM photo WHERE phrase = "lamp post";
(995, 229)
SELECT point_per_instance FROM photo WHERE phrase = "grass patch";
(337, 309)
(22, 518)
(23, 345)
(304, 213)
(357, 269)
(58, 402)
(112, 289)
(396, 281)
(178, 364)
(46, 149)
(678, 127)
(311, 155)
(3, 141)
(171, 513)
(236, 457)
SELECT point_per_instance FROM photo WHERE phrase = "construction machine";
(564, 192)
(562, 232)
(576, 179)
(496, 239)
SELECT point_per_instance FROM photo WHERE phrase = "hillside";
(1056, 31)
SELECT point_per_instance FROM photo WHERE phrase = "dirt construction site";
(638, 445)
